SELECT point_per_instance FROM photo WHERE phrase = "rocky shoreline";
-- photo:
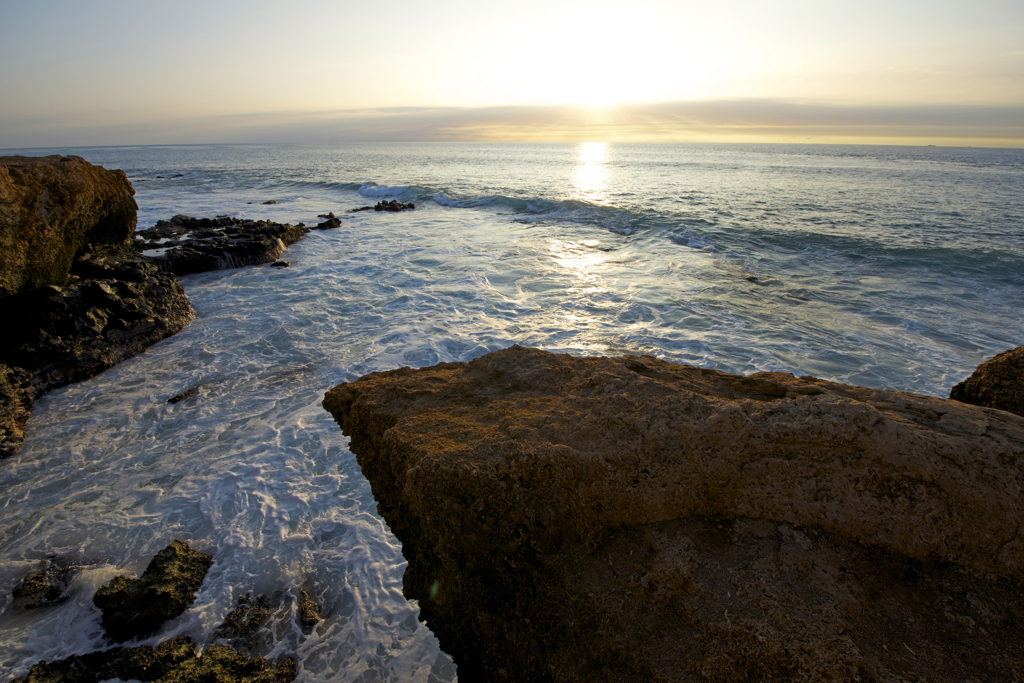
(85, 291)
(619, 519)
(85, 288)
(604, 519)
(81, 297)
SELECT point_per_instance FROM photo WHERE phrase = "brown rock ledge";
(632, 519)
(996, 383)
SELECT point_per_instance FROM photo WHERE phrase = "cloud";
(764, 120)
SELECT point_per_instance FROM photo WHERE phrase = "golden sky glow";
(118, 72)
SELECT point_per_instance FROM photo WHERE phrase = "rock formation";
(243, 621)
(392, 205)
(185, 245)
(77, 296)
(308, 611)
(632, 519)
(137, 607)
(50, 207)
(45, 587)
(174, 661)
(996, 383)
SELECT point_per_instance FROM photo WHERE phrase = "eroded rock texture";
(113, 305)
(174, 661)
(632, 519)
(50, 207)
(997, 383)
(137, 607)
(75, 294)
(185, 245)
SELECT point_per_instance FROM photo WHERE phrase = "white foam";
(372, 190)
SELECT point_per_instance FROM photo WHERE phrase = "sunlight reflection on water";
(590, 174)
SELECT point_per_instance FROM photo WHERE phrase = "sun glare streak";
(590, 175)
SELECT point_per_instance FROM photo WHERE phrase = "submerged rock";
(137, 607)
(188, 393)
(45, 587)
(74, 293)
(185, 245)
(174, 661)
(632, 519)
(996, 383)
(246, 619)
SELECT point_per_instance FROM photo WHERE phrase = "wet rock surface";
(632, 519)
(996, 383)
(77, 295)
(329, 223)
(137, 607)
(245, 620)
(392, 205)
(185, 245)
(113, 305)
(46, 587)
(16, 397)
(174, 661)
(309, 612)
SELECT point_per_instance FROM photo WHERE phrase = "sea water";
(892, 267)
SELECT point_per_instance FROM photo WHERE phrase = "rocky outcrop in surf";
(175, 660)
(996, 383)
(138, 607)
(632, 519)
(46, 587)
(393, 205)
(186, 245)
(76, 295)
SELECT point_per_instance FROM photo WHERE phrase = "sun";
(604, 56)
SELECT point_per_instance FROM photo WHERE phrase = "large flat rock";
(633, 519)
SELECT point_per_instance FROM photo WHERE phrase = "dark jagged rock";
(246, 619)
(185, 245)
(45, 587)
(392, 205)
(361, 208)
(173, 661)
(16, 396)
(309, 612)
(631, 519)
(280, 264)
(137, 607)
(329, 224)
(996, 383)
(77, 296)
(114, 305)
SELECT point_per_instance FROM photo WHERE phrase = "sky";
(112, 72)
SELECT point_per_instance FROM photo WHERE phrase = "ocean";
(892, 267)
